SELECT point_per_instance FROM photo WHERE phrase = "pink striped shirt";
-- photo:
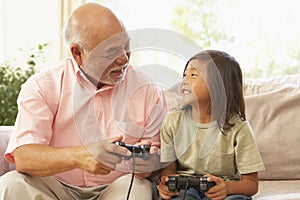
(60, 107)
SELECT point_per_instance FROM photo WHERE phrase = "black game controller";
(141, 151)
(186, 182)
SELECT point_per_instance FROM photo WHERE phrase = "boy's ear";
(77, 54)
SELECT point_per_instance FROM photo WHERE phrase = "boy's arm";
(248, 185)
(167, 170)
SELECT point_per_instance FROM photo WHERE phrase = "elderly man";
(71, 116)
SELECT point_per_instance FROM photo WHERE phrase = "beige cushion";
(273, 110)
(278, 190)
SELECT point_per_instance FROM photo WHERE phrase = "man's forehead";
(115, 40)
(113, 43)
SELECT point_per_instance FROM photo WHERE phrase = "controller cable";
(132, 176)
(186, 188)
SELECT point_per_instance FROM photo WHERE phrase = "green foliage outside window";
(11, 79)
(268, 54)
(200, 21)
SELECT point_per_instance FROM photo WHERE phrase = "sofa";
(272, 109)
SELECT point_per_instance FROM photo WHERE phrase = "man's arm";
(41, 160)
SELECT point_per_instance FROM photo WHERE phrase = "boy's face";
(194, 89)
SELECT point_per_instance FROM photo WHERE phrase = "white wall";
(25, 24)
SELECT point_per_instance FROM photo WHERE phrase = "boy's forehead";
(197, 65)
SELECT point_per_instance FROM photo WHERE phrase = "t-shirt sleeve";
(167, 134)
(248, 157)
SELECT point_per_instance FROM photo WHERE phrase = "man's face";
(107, 62)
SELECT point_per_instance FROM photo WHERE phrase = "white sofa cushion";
(273, 110)
(278, 190)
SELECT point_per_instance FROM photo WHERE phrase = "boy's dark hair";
(221, 65)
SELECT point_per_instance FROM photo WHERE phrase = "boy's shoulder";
(175, 113)
(238, 123)
(174, 116)
(236, 119)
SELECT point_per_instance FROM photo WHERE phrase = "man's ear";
(77, 54)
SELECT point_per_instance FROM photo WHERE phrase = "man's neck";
(92, 80)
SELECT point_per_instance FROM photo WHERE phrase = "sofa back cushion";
(273, 110)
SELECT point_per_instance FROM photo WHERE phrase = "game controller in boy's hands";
(141, 151)
(185, 182)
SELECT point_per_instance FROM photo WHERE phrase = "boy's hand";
(143, 168)
(163, 189)
(219, 191)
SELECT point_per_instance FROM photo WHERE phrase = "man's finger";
(113, 148)
(153, 150)
(118, 138)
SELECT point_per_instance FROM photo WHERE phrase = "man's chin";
(112, 82)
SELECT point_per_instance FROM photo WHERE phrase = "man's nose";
(123, 58)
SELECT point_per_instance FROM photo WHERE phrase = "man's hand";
(102, 157)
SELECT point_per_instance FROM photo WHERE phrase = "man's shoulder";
(54, 72)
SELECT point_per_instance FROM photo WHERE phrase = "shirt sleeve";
(168, 153)
(34, 119)
(248, 158)
(146, 110)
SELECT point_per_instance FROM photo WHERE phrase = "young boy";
(210, 136)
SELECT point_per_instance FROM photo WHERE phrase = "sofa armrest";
(5, 132)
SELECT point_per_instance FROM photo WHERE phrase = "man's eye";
(194, 74)
(112, 53)
(127, 48)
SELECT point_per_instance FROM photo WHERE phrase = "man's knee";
(15, 185)
(12, 179)
(10, 182)
(140, 189)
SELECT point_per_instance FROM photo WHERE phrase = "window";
(261, 35)
(26, 24)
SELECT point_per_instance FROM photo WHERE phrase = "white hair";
(74, 34)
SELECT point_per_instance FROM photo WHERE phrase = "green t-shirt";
(203, 148)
